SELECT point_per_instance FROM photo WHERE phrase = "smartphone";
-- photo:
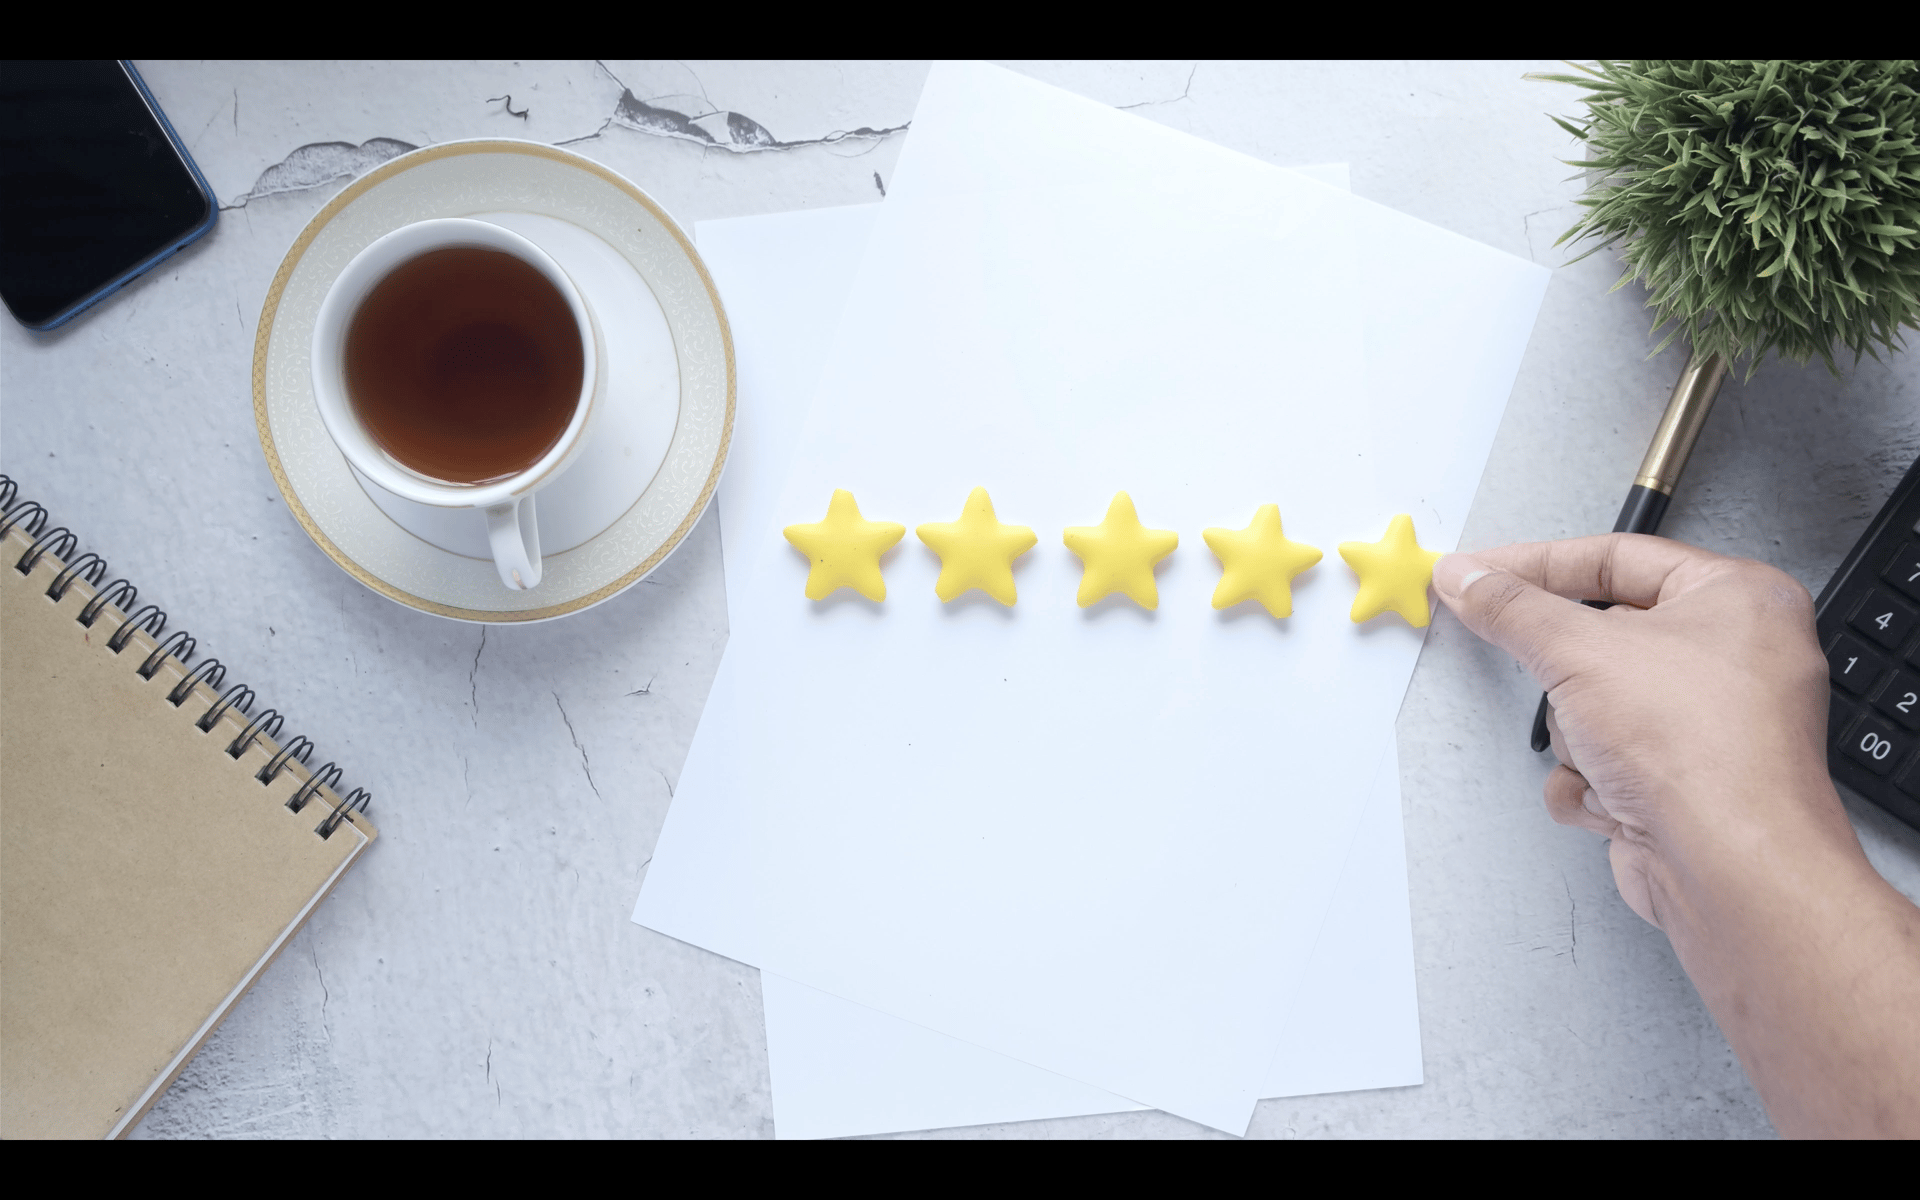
(95, 187)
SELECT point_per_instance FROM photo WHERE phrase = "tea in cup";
(455, 364)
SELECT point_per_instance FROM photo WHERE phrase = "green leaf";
(1813, 166)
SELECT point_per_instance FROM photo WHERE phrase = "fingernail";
(1591, 802)
(1455, 573)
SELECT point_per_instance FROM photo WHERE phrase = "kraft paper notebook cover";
(147, 875)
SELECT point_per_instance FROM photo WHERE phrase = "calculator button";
(1883, 619)
(1900, 700)
(1875, 745)
(1908, 780)
(1852, 666)
(1904, 571)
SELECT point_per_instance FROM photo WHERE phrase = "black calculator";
(1868, 617)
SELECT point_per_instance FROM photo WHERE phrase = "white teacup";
(508, 504)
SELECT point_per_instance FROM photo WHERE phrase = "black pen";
(1666, 457)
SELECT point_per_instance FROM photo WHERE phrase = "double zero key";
(1875, 745)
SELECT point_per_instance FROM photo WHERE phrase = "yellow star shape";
(1258, 562)
(1118, 554)
(977, 551)
(845, 549)
(1394, 573)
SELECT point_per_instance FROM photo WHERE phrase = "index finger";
(1627, 568)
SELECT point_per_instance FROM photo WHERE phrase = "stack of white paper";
(1009, 863)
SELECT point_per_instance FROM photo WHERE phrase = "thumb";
(1535, 626)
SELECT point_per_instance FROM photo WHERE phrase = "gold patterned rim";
(263, 336)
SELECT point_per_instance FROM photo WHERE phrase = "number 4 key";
(1883, 619)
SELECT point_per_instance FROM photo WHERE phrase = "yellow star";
(977, 551)
(845, 549)
(1258, 562)
(1118, 554)
(1394, 573)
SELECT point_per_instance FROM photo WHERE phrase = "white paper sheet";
(1134, 900)
(1470, 404)
(785, 279)
(1446, 316)
(842, 1069)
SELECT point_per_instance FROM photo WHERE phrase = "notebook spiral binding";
(118, 599)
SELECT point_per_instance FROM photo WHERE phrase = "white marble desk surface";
(477, 975)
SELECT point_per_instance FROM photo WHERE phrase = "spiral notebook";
(160, 842)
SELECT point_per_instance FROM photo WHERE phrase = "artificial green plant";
(1766, 205)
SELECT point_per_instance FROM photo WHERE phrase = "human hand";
(1690, 724)
(1689, 719)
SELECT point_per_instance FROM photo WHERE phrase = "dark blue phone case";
(171, 248)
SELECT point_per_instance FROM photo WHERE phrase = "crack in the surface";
(668, 782)
(1184, 93)
(711, 106)
(211, 118)
(744, 134)
(473, 686)
(508, 101)
(585, 137)
(325, 995)
(1573, 928)
(584, 764)
(648, 689)
(319, 163)
(1526, 228)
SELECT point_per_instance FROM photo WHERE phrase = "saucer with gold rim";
(417, 557)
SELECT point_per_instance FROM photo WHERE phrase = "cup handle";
(515, 537)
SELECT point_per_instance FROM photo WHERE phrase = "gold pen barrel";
(1667, 456)
(1680, 426)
